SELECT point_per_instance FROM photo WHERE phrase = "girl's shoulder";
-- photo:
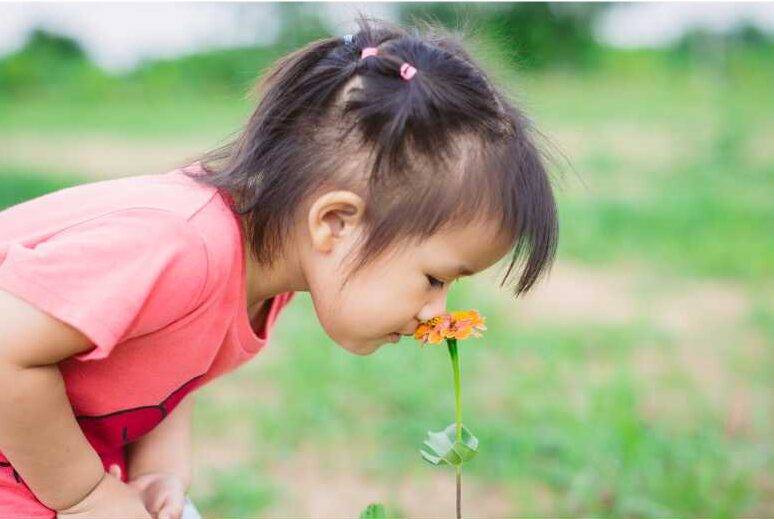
(122, 257)
(171, 192)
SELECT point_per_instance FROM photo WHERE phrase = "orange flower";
(455, 325)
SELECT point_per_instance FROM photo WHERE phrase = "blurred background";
(635, 381)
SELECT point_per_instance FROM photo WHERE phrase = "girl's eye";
(434, 282)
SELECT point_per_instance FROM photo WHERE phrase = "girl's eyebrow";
(459, 270)
(462, 270)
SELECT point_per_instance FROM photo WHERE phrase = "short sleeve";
(113, 277)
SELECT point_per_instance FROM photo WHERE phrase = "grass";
(180, 115)
(571, 421)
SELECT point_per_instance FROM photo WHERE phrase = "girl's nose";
(435, 307)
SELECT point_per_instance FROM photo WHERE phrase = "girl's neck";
(263, 283)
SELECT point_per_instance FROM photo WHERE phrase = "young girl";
(376, 169)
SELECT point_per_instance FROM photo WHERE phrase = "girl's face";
(398, 291)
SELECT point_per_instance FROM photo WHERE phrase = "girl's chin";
(364, 348)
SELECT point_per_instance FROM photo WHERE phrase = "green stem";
(459, 491)
(455, 360)
(457, 400)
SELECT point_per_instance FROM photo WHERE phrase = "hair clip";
(348, 39)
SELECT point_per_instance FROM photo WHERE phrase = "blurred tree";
(231, 71)
(700, 46)
(49, 63)
(300, 23)
(531, 34)
(750, 35)
(44, 43)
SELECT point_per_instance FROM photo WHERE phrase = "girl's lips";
(394, 337)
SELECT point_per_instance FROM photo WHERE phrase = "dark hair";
(442, 148)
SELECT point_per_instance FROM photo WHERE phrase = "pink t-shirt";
(151, 269)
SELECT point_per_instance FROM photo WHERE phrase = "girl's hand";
(162, 492)
(110, 499)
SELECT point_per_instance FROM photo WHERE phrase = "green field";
(635, 382)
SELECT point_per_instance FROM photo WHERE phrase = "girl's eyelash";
(434, 282)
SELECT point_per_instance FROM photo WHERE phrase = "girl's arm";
(167, 447)
(38, 431)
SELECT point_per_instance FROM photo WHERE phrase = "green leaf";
(374, 511)
(443, 449)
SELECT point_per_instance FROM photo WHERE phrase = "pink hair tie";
(368, 51)
(407, 71)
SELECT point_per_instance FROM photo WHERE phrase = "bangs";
(500, 182)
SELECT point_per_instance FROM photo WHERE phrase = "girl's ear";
(333, 216)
